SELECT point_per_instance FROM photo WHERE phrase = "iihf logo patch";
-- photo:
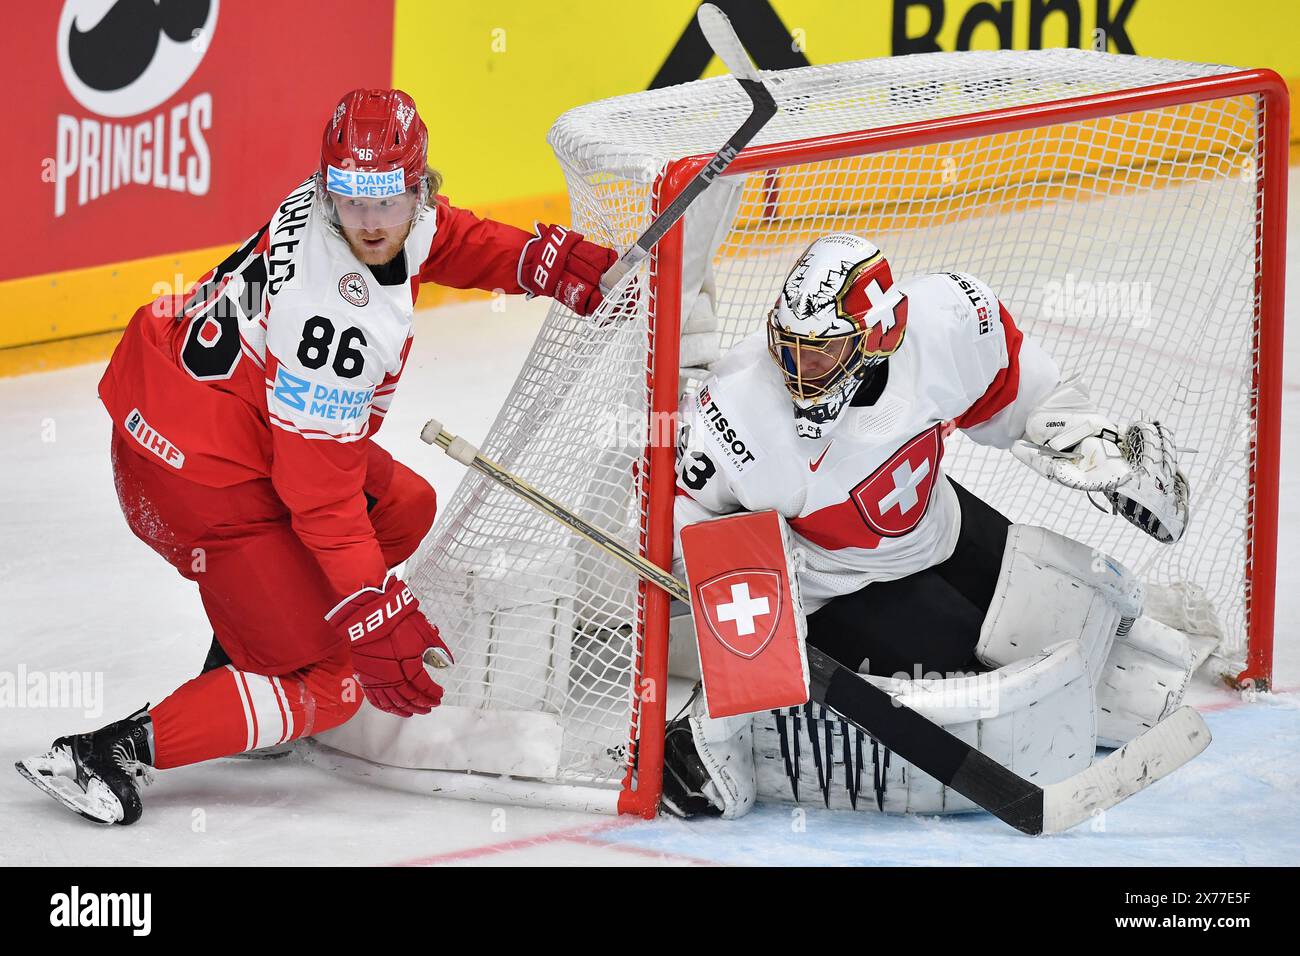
(353, 288)
(151, 441)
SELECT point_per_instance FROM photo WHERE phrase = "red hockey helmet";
(373, 160)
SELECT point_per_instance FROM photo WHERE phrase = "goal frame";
(642, 787)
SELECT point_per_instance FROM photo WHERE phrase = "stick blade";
(722, 38)
(1134, 767)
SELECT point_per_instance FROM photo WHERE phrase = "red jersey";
(282, 360)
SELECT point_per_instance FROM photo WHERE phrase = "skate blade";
(54, 773)
(274, 752)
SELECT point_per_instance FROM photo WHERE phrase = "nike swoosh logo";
(814, 465)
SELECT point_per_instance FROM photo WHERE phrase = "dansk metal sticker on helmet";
(356, 182)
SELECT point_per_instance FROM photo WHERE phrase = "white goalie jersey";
(867, 501)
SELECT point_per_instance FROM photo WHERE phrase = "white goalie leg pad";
(1143, 680)
(1035, 716)
(726, 748)
(1050, 589)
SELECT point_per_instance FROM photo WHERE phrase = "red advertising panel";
(155, 126)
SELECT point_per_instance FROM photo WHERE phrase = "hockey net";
(1124, 210)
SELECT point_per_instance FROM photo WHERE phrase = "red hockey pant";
(266, 597)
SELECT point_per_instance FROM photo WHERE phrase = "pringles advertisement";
(152, 126)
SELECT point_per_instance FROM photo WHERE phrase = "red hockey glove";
(389, 638)
(560, 263)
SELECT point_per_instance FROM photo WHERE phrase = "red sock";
(227, 711)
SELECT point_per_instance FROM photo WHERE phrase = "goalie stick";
(726, 45)
(1025, 805)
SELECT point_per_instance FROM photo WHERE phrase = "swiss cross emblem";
(742, 609)
(894, 498)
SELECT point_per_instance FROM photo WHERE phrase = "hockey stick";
(1028, 807)
(722, 38)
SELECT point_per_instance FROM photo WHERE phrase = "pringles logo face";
(124, 58)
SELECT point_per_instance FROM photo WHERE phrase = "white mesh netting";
(1125, 245)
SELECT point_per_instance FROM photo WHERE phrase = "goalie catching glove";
(389, 638)
(1157, 499)
(1069, 442)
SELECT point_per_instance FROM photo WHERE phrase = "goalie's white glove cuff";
(1068, 441)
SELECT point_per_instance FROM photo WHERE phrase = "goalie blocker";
(1071, 662)
(747, 615)
(751, 630)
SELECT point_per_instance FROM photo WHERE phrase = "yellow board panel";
(98, 299)
(492, 77)
(48, 356)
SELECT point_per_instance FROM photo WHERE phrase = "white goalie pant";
(1076, 665)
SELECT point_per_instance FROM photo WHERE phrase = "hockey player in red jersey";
(244, 413)
(835, 417)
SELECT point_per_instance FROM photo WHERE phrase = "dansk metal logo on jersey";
(742, 609)
(895, 497)
(323, 401)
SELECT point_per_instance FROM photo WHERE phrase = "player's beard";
(377, 247)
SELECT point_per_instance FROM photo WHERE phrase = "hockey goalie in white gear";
(834, 416)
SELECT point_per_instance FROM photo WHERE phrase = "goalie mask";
(831, 326)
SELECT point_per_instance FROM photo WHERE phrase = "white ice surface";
(79, 593)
